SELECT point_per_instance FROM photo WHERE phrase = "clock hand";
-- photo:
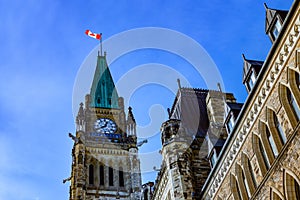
(105, 124)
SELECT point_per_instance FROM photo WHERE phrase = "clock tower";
(105, 163)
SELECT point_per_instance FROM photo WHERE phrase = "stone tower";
(192, 139)
(184, 149)
(105, 162)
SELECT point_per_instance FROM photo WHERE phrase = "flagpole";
(101, 44)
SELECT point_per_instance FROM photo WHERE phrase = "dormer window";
(250, 72)
(274, 21)
(276, 29)
(233, 110)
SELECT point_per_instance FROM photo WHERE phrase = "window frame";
(121, 177)
(101, 175)
(272, 143)
(91, 174)
(277, 27)
(230, 122)
(110, 176)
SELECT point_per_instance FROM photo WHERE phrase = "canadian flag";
(93, 35)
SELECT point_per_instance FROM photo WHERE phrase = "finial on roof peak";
(219, 86)
(179, 85)
(266, 6)
(243, 55)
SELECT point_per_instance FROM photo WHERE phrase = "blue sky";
(43, 46)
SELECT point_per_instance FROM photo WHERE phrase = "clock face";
(104, 125)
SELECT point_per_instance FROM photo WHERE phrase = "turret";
(131, 124)
(80, 118)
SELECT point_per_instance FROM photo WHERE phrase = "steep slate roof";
(103, 91)
(192, 105)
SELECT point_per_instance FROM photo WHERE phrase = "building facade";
(105, 163)
(216, 148)
(192, 139)
(260, 158)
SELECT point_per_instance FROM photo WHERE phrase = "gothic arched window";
(292, 187)
(289, 97)
(279, 129)
(248, 174)
(247, 187)
(235, 188)
(251, 173)
(243, 185)
(271, 142)
(264, 154)
(260, 154)
(293, 104)
(275, 196)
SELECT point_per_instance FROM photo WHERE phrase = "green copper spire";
(103, 91)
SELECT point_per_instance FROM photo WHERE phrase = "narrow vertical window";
(264, 155)
(238, 190)
(91, 174)
(246, 184)
(101, 173)
(252, 173)
(271, 142)
(297, 189)
(111, 176)
(235, 188)
(292, 187)
(279, 129)
(121, 178)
